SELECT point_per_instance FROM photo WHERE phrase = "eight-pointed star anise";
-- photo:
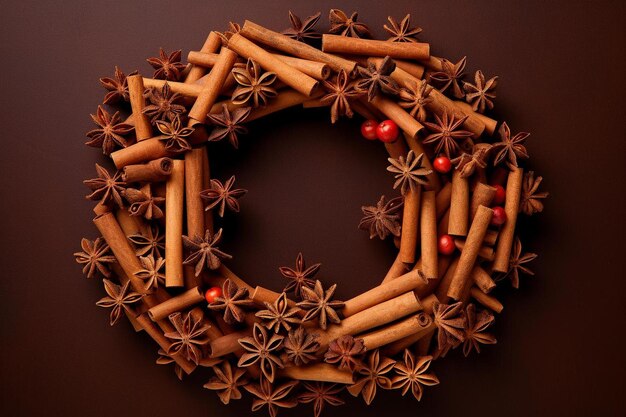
(106, 188)
(300, 276)
(204, 251)
(482, 93)
(416, 97)
(447, 134)
(164, 105)
(383, 219)
(278, 315)
(531, 199)
(402, 32)
(339, 92)
(232, 302)
(94, 257)
(227, 382)
(273, 397)
(376, 78)
(343, 25)
(303, 31)
(222, 195)
(110, 131)
(320, 393)
(262, 349)
(301, 347)
(117, 87)
(410, 374)
(450, 76)
(167, 67)
(409, 172)
(151, 273)
(143, 203)
(317, 303)
(254, 85)
(450, 324)
(346, 352)
(517, 261)
(466, 164)
(189, 336)
(152, 242)
(175, 135)
(229, 124)
(119, 298)
(475, 326)
(373, 374)
(510, 149)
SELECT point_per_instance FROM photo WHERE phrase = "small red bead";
(387, 131)
(212, 293)
(499, 216)
(368, 129)
(445, 245)
(442, 164)
(499, 197)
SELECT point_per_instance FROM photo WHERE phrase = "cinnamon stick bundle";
(154, 171)
(369, 47)
(174, 197)
(428, 229)
(507, 233)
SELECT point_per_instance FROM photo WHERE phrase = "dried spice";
(509, 149)
(377, 78)
(416, 97)
(343, 25)
(110, 132)
(117, 87)
(278, 315)
(222, 195)
(188, 337)
(204, 251)
(232, 302)
(518, 261)
(301, 347)
(270, 396)
(318, 304)
(383, 219)
(409, 172)
(94, 257)
(402, 32)
(144, 204)
(339, 93)
(411, 374)
(175, 135)
(164, 105)
(152, 243)
(450, 324)
(346, 351)
(467, 164)
(151, 273)
(303, 31)
(228, 125)
(373, 373)
(450, 76)
(254, 85)
(319, 394)
(446, 134)
(227, 382)
(106, 188)
(482, 93)
(530, 202)
(165, 359)
(262, 349)
(299, 277)
(119, 299)
(475, 326)
(167, 67)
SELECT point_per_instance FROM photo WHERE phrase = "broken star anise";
(450, 323)
(272, 397)
(143, 203)
(343, 25)
(475, 326)
(373, 374)
(117, 87)
(303, 30)
(152, 242)
(416, 97)
(517, 261)
(377, 78)
(227, 382)
(450, 76)
(320, 393)
(531, 199)
(510, 149)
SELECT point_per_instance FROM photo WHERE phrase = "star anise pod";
(303, 31)
(254, 85)
(475, 327)
(229, 124)
(106, 188)
(517, 261)
(204, 251)
(317, 303)
(273, 397)
(165, 359)
(343, 25)
(119, 299)
(301, 347)
(450, 76)
(151, 273)
(110, 131)
(222, 195)
(402, 32)
(450, 323)
(262, 349)
(232, 301)
(446, 134)
(320, 393)
(300, 277)
(164, 105)
(383, 219)
(531, 199)
(373, 374)
(377, 78)
(466, 164)
(188, 337)
(233, 28)
(144, 204)
(509, 149)
(152, 243)
(416, 97)
(168, 67)
(227, 382)
(117, 87)
(409, 172)
(346, 351)
(95, 256)
(411, 374)
(278, 315)
(175, 135)
(482, 93)
(339, 92)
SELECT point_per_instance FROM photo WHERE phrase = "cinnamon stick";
(484, 252)
(466, 108)
(393, 111)
(483, 281)
(180, 302)
(459, 205)
(396, 331)
(399, 345)
(322, 372)
(194, 206)
(428, 229)
(398, 268)
(444, 196)
(491, 237)
(444, 283)
(187, 90)
(206, 184)
(412, 68)
(212, 44)
(482, 196)
(143, 129)
(486, 300)
(370, 47)
(143, 151)
(507, 232)
(410, 225)
(228, 343)
(154, 171)
(174, 197)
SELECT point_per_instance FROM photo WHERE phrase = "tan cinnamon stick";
(459, 205)
(322, 372)
(143, 129)
(212, 44)
(396, 148)
(426, 288)
(444, 283)
(507, 232)
(412, 68)
(470, 252)
(206, 184)
(180, 302)
(187, 90)
(410, 225)
(393, 111)
(284, 100)
(226, 273)
(228, 343)
(398, 268)
(262, 295)
(486, 300)
(369, 47)
(193, 187)
(466, 108)
(482, 196)
(131, 225)
(482, 279)
(143, 151)
(396, 331)
(154, 171)
(428, 230)
(484, 252)
(444, 196)
(491, 237)
(174, 197)
(442, 227)
(399, 345)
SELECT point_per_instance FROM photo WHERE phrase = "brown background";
(560, 65)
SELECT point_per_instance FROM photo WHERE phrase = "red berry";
(442, 164)
(499, 216)
(499, 197)
(387, 131)
(368, 129)
(445, 245)
(212, 293)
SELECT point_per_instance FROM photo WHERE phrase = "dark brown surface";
(561, 70)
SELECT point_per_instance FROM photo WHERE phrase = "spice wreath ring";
(461, 188)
